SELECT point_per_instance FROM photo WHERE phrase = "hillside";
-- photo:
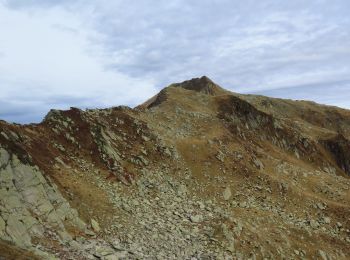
(196, 172)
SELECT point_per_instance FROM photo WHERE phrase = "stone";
(116, 245)
(117, 256)
(327, 220)
(313, 223)
(243, 204)
(196, 218)
(145, 138)
(238, 229)
(201, 205)
(258, 164)
(79, 223)
(112, 257)
(322, 254)
(143, 160)
(58, 159)
(230, 247)
(104, 251)
(66, 237)
(43, 255)
(63, 210)
(4, 135)
(220, 156)
(95, 226)
(167, 152)
(75, 245)
(89, 232)
(182, 190)
(297, 154)
(14, 136)
(4, 157)
(227, 193)
(2, 226)
(321, 206)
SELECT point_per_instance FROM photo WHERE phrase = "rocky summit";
(196, 172)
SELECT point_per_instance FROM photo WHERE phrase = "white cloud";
(47, 54)
(103, 53)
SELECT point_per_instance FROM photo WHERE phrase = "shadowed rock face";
(160, 98)
(339, 147)
(194, 172)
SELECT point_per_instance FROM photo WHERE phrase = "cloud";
(47, 55)
(324, 93)
(243, 45)
(21, 4)
(113, 52)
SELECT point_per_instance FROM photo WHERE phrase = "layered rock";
(31, 205)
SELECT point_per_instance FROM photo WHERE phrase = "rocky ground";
(196, 172)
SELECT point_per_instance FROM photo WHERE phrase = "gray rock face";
(30, 204)
(17, 230)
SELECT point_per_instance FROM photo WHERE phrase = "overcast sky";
(57, 54)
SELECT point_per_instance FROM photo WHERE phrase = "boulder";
(196, 218)
(322, 255)
(227, 193)
(95, 226)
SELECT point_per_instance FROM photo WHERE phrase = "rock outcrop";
(203, 85)
(31, 207)
(339, 147)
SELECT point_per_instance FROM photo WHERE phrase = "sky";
(102, 53)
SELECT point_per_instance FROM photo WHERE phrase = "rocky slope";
(196, 172)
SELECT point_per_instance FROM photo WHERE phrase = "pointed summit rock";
(204, 85)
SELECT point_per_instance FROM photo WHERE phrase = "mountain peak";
(203, 84)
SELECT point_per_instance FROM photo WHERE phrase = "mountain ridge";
(196, 171)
